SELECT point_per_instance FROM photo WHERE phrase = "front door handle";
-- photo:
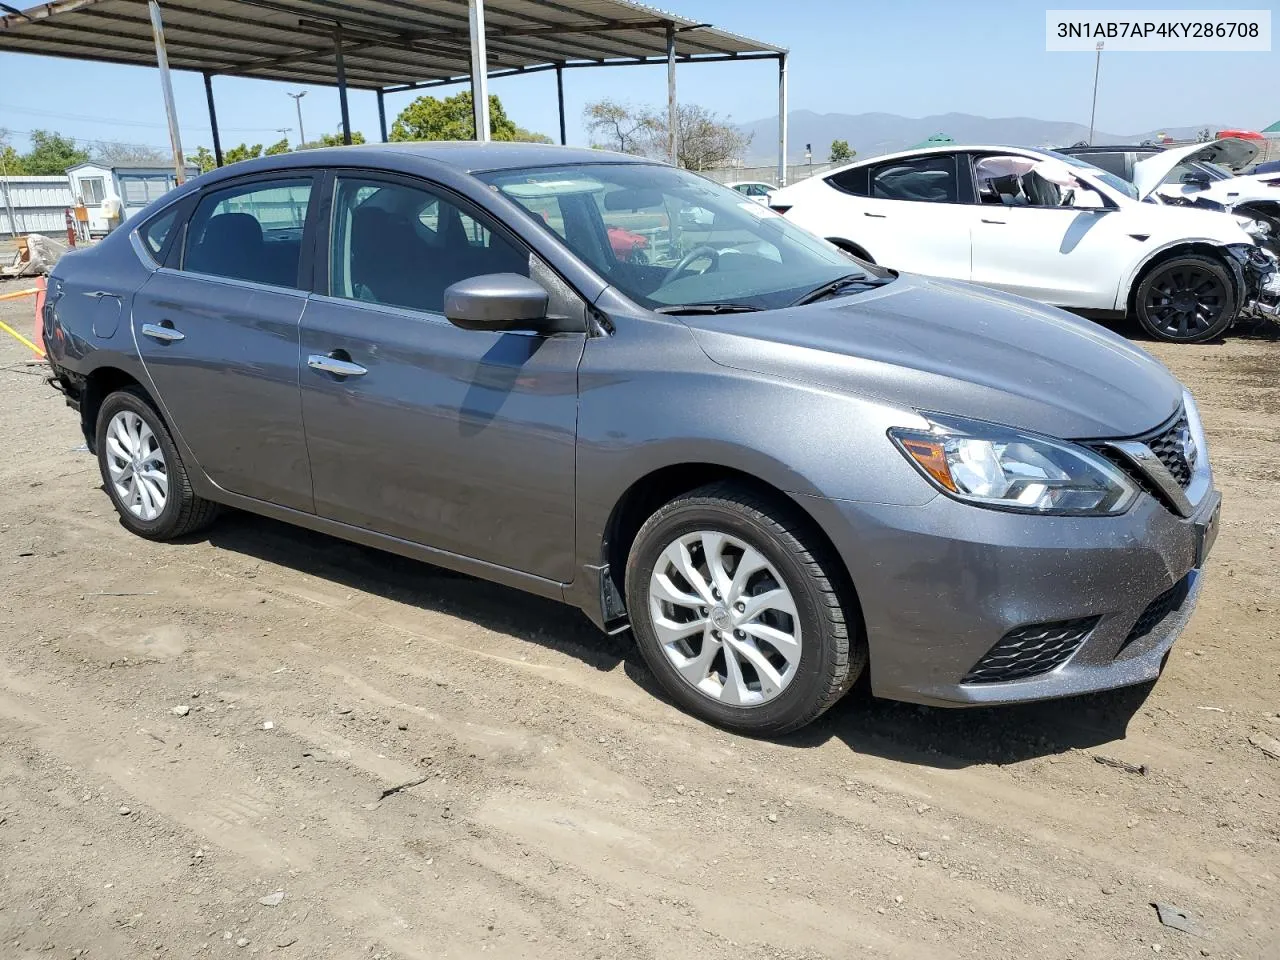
(878, 216)
(163, 332)
(336, 365)
(985, 220)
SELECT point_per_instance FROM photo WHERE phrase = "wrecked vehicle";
(1047, 226)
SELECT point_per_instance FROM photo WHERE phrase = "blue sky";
(911, 57)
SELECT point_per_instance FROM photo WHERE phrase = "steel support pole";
(382, 116)
(479, 71)
(673, 144)
(782, 119)
(213, 118)
(1097, 65)
(560, 101)
(166, 83)
(340, 63)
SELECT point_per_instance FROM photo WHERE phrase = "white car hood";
(1230, 152)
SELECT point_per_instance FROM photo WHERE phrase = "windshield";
(666, 237)
(1119, 185)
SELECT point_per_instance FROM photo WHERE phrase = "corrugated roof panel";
(386, 42)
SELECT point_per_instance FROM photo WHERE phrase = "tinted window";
(156, 230)
(1113, 163)
(250, 233)
(929, 179)
(403, 246)
(850, 181)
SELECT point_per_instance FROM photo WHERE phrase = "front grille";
(1168, 446)
(1027, 651)
(1159, 608)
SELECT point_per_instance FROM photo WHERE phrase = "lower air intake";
(1031, 650)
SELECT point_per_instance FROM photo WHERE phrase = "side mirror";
(496, 301)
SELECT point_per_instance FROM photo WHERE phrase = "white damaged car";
(1046, 226)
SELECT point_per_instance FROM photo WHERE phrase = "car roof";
(1112, 148)
(929, 151)
(465, 156)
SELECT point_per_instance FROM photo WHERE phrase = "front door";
(217, 330)
(457, 439)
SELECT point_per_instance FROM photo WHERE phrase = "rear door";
(217, 329)
(462, 440)
(912, 215)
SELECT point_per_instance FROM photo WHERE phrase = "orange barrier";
(42, 284)
(38, 292)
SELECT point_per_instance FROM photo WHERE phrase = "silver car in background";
(616, 384)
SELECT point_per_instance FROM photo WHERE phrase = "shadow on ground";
(928, 736)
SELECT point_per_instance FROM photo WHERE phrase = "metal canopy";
(381, 45)
(388, 44)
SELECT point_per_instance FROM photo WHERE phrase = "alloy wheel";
(136, 464)
(725, 619)
(1185, 301)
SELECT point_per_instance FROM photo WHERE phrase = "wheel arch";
(99, 384)
(1168, 252)
(660, 486)
(848, 246)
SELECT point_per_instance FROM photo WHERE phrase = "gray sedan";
(616, 384)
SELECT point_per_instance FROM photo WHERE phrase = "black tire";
(183, 512)
(833, 654)
(1186, 299)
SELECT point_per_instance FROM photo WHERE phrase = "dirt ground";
(200, 745)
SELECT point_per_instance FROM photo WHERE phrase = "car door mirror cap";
(498, 302)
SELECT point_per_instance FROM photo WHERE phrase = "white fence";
(795, 172)
(38, 205)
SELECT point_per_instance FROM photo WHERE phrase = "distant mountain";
(875, 133)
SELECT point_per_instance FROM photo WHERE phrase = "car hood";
(945, 347)
(1229, 152)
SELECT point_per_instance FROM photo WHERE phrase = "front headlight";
(993, 466)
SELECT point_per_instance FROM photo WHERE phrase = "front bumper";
(941, 584)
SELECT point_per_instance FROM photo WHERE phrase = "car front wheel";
(143, 472)
(737, 608)
(1187, 299)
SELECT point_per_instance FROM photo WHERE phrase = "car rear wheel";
(143, 472)
(1188, 299)
(736, 607)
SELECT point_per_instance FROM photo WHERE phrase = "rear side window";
(156, 231)
(928, 179)
(251, 232)
(851, 181)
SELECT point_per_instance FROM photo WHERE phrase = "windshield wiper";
(835, 286)
(692, 309)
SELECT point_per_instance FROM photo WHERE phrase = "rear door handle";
(878, 216)
(165, 334)
(985, 220)
(335, 365)
(99, 294)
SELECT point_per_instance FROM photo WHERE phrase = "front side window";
(1020, 181)
(403, 245)
(668, 238)
(251, 232)
(930, 179)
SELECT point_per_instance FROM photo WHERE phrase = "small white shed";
(134, 185)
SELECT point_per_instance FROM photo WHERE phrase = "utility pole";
(162, 61)
(284, 133)
(297, 102)
(1097, 65)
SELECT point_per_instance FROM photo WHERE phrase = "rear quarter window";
(854, 181)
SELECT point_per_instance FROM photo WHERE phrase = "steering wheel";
(697, 253)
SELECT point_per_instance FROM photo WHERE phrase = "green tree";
(242, 152)
(203, 159)
(530, 136)
(840, 152)
(332, 140)
(279, 147)
(619, 126)
(10, 162)
(51, 153)
(450, 119)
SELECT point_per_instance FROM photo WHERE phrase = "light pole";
(1097, 64)
(297, 102)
